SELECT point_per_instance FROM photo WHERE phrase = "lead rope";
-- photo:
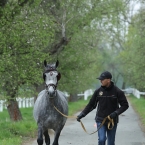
(110, 123)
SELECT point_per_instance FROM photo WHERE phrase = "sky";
(134, 6)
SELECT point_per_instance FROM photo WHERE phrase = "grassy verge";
(14, 133)
(77, 106)
(139, 107)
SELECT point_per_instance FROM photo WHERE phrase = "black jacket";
(107, 101)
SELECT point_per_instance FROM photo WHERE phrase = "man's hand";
(81, 115)
(113, 115)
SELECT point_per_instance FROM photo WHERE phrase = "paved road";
(129, 131)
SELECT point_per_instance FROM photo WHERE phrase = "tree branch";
(63, 42)
(3, 3)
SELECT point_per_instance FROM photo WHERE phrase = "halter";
(49, 70)
(50, 85)
(54, 87)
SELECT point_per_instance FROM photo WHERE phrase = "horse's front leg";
(40, 135)
(47, 138)
(56, 137)
(57, 134)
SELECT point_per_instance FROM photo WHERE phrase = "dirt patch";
(27, 140)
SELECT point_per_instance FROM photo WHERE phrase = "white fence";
(86, 94)
(2, 105)
(25, 102)
(29, 102)
(134, 91)
(22, 103)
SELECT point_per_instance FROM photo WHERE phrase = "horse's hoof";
(40, 141)
(55, 144)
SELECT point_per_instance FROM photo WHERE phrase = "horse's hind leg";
(47, 138)
(40, 136)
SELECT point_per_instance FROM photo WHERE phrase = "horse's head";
(51, 77)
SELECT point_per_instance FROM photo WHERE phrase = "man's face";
(105, 82)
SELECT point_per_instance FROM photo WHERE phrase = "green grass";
(77, 106)
(139, 106)
(14, 133)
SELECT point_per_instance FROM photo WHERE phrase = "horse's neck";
(54, 100)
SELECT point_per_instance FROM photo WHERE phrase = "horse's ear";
(45, 63)
(58, 76)
(44, 76)
(57, 63)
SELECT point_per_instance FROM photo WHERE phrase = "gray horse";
(44, 113)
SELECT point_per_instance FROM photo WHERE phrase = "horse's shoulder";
(41, 93)
(61, 94)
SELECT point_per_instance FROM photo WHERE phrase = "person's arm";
(122, 101)
(90, 106)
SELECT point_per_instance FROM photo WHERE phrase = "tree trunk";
(38, 89)
(14, 111)
(123, 85)
(73, 98)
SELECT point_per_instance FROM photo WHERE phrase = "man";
(107, 98)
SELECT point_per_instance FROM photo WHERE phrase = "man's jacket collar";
(108, 88)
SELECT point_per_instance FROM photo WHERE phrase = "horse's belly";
(54, 122)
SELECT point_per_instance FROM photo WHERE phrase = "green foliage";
(22, 48)
(82, 63)
(133, 55)
(26, 36)
(31, 30)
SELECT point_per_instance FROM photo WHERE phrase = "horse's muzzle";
(52, 94)
(51, 90)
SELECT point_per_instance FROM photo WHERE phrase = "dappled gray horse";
(44, 113)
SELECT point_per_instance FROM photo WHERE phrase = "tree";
(72, 19)
(70, 31)
(133, 55)
(22, 51)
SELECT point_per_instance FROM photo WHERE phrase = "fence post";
(19, 102)
(31, 102)
(27, 103)
(1, 105)
(24, 103)
(136, 93)
(88, 93)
